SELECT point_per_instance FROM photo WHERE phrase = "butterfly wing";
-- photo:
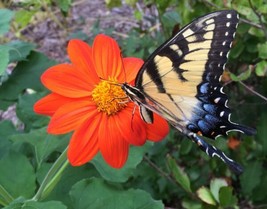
(181, 79)
(181, 82)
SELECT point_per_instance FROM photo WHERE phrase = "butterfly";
(180, 81)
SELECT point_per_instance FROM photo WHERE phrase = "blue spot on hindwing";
(210, 108)
(203, 126)
(204, 88)
(211, 119)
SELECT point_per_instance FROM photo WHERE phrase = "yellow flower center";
(109, 97)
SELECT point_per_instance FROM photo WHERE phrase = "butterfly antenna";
(213, 151)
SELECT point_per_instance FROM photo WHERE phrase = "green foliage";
(95, 193)
(112, 174)
(26, 75)
(19, 50)
(179, 175)
(219, 193)
(64, 5)
(172, 173)
(4, 58)
(6, 16)
(113, 3)
(13, 51)
(206, 196)
(16, 185)
(50, 142)
(261, 68)
(17, 204)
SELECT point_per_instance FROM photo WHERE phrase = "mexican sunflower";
(86, 98)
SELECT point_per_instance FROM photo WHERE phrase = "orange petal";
(158, 130)
(113, 147)
(132, 66)
(131, 126)
(65, 79)
(84, 142)
(81, 56)
(71, 115)
(49, 104)
(107, 57)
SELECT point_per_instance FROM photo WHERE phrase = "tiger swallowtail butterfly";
(180, 81)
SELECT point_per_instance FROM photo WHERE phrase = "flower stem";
(52, 177)
(5, 197)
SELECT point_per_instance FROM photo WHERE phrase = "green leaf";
(19, 50)
(36, 205)
(261, 138)
(251, 177)
(237, 50)
(23, 17)
(248, 12)
(206, 196)
(250, 45)
(243, 76)
(43, 143)
(25, 75)
(17, 175)
(95, 194)
(138, 15)
(64, 5)
(123, 174)
(262, 48)
(263, 9)
(7, 129)
(226, 197)
(215, 186)
(185, 147)
(25, 113)
(189, 204)
(256, 32)
(257, 3)
(12, 52)
(113, 3)
(178, 173)
(170, 18)
(6, 16)
(261, 68)
(259, 193)
(131, 2)
(70, 177)
(4, 54)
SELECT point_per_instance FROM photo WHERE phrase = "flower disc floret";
(109, 97)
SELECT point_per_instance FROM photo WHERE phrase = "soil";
(52, 37)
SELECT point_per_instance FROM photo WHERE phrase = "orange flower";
(87, 99)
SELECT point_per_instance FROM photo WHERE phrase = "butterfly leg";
(213, 151)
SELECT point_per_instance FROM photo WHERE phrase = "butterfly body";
(181, 81)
